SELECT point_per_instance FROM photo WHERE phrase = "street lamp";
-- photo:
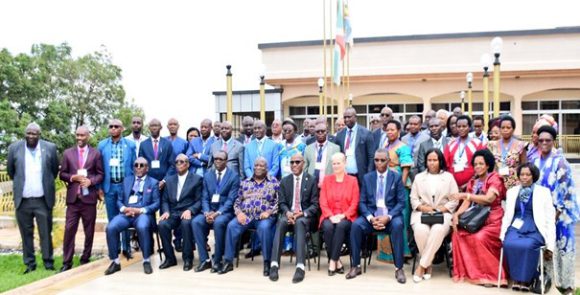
(469, 78)
(462, 95)
(350, 99)
(230, 114)
(496, 47)
(485, 63)
(321, 111)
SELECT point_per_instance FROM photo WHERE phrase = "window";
(528, 122)
(376, 108)
(439, 106)
(360, 109)
(397, 108)
(570, 104)
(549, 105)
(414, 108)
(529, 105)
(296, 111)
(313, 110)
(505, 106)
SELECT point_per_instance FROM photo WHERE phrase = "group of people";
(408, 185)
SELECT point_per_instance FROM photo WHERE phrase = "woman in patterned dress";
(509, 152)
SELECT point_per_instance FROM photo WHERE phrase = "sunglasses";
(179, 162)
(287, 130)
(381, 160)
(139, 165)
(386, 115)
(114, 126)
(320, 131)
(295, 162)
(544, 140)
(136, 122)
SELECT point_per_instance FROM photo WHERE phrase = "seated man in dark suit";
(181, 201)
(298, 204)
(220, 190)
(382, 200)
(138, 204)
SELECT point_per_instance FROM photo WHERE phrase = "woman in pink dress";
(476, 255)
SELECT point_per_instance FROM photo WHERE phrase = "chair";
(367, 249)
(309, 244)
(320, 248)
(251, 232)
(542, 271)
(155, 231)
(445, 248)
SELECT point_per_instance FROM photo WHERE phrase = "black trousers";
(166, 226)
(301, 227)
(29, 210)
(335, 235)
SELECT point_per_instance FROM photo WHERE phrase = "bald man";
(33, 166)
(136, 135)
(199, 150)
(82, 170)
(179, 144)
(261, 146)
(158, 152)
(277, 131)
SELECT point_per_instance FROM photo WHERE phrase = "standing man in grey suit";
(318, 155)
(234, 148)
(437, 140)
(33, 166)
(357, 143)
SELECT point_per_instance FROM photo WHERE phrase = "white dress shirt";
(33, 173)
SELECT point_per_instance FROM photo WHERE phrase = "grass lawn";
(12, 269)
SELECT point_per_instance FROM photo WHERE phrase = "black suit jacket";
(190, 198)
(365, 150)
(308, 195)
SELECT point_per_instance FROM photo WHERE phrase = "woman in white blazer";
(430, 193)
(527, 225)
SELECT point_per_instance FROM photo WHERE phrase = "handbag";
(432, 218)
(536, 285)
(473, 219)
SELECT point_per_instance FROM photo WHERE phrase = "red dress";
(476, 256)
(453, 147)
(339, 197)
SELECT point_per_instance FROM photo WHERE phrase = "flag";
(347, 26)
(339, 46)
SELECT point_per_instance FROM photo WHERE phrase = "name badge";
(504, 171)
(82, 172)
(458, 167)
(517, 224)
(319, 166)
(350, 152)
(133, 199)
(215, 198)
(155, 164)
(114, 162)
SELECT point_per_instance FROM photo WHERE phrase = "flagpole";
(348, 70)
(332, 94)
(324, 109)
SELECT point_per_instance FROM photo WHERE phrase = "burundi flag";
(339, 46)
(347, 25)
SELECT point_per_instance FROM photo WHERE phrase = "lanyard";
(504, 151)
(464, 146)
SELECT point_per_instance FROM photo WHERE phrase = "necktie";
(155, 148)
(380, 195)
(81, 158)
(318, 160)
(225, 147)
(259, 147)
(219, 178)
(137, 185)
(347, 145)
(297, 196)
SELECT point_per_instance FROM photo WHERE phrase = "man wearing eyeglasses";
(380, 134)
(136, 135)
(220, 190)
(298, 205)
(318, 155)
(181, 201)
(137, 207)
(382, 200)
(118, 155)
(313, 137)
(289, 147)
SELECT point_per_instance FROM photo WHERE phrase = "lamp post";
(462, 95)
(469, 78)
(485, 62)
(350, 100)
(262, 99)
(496, 47)
(229, 103)
(321, 111)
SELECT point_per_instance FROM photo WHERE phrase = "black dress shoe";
(298, 276)
(353, 272)
(127, 254)
(147, 267)
(216, 267)
(49, 267)
(83, 262)
(29, 269)
(113, 268)
(266, 269)
(65, 267)
(167, 264)
(178, 248)
(400, 276)
(274, 273)
(331, 272)
(203, 266)
(187, 265)
(226, 268)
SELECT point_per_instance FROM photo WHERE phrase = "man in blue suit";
(138, 204)
(220, 190)
(118, 155)
(199, 149)
(357, 143)
(181, 201)
(158, 152)
(179, 144)
(381, 205)
(261, 146)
